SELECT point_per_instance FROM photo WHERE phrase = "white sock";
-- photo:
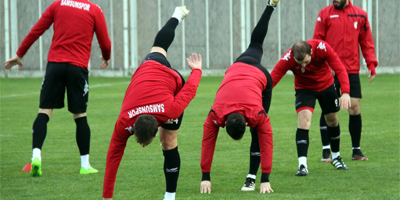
(85, 161)
(303, 161)
(36, 153)
(169, 196)
(326, 147)
(251, 176)
(178, 14)
(335, 155)
(356, 148)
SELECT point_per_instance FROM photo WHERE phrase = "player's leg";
(249, 184)
(355, 122)
(172, 160)
(328, 101)
(257, 38)
(326, 151)
(302, 140)
(334, 136)
(326, 147)
(78, 96)
(51, 96)
(166, 35)
(39, 132)
(253, 56)
(305, 103)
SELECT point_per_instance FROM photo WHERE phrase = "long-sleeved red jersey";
(239, 92)
(344, 29)
(317, 75)
(74, 24)
(154, 89)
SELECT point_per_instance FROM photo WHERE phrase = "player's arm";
(341, 73)
(319, 30)
(210, 134)
(37, 30)
(114, 156)
(44, 23)
(337, 66)
(281, 68)
(188, 91)
(368, 49)
(264, 131)
(101, 32)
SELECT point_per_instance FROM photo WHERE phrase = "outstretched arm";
(210, 134)
(188, 91)
(114, 156)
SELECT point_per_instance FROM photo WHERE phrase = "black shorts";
(328, 100)
(171, 124)
(61, 76)
(355, 86)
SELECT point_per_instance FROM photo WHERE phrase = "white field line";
(36, 93)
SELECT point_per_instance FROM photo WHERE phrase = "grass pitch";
(140, 175)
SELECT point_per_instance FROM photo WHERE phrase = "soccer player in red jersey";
(156, 97)
(74, 22)
(243, 99)
(345, 28)
(311, 61)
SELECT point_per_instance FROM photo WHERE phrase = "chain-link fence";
(218, 29)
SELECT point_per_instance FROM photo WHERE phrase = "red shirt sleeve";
(367, 47)
(281, 68)
(210, 134)
(265, 138)
(44, 23)
(186, 94)
(114, 156)
(334, 62)
(102, 34)
(319, 31)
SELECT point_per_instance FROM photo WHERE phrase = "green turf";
(140, 175)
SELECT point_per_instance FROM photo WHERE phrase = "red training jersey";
(240, 92)
(317, 75)
(344, 30)
(156, 90)
(74, 24)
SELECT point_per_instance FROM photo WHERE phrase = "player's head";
(339, 4)
(235, 126)
(302, 53)
(145, 129)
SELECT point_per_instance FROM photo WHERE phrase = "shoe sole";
(326, 160)
(248, 189)
(357, 158)
(88, 172)
(300, 174)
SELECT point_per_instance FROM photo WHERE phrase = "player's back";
(242, 84)
(152, 83)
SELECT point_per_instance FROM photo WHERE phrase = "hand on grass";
(205, 187)
(265, 187)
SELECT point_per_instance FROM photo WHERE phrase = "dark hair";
(145, 128)
(300, 50)
(235, 126)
